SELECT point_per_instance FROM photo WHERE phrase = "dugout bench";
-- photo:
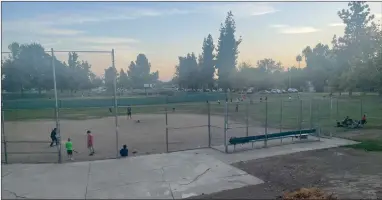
(300, 134)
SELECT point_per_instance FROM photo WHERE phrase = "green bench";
(302, 134)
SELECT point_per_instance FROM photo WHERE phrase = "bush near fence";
(107, 102)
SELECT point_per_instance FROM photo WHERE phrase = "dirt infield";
(346, 173)
(186, 131)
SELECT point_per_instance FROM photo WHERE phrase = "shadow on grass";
(367, 145)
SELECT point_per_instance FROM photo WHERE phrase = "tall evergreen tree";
(207, 62)
(227, 51)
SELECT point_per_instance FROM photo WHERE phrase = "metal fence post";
(4, 139)
(165, 109)
(225, 127)
(115, 103)
(337, 110)
(281, 119)
(209, 123)
(58, 131)
(301, 120)
(266, 122)
(246, 119)
(311, 114)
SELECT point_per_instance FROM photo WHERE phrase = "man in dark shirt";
(53, 137)
(124, 152)
(129, 111)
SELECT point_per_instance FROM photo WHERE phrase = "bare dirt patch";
(347, 173)
(185, 131)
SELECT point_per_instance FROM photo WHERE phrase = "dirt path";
(347, 173)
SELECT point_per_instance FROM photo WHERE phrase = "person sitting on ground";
(124, 152)
(347, 121)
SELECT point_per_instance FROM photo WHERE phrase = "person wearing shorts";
(90, 140)
(69, 149)
(129, 112)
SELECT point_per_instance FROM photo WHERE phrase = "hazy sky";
(164, 31)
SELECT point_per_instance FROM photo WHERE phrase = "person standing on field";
(90, 142)
(129, 111)
(53, 136)
(69, 149)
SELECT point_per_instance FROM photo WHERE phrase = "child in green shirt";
(69, 149)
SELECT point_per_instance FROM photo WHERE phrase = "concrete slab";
(47, 181)
(161, 176)
(143, 190)
(141, 177)
(230, 158)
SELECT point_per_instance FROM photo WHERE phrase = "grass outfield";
(324, 111)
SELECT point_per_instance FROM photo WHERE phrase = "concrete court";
(161, 176)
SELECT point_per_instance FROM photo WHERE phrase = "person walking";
(53, 137)
(90, 139)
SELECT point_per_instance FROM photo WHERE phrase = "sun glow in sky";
(165, 30)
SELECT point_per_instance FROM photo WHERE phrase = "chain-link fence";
(177, 126)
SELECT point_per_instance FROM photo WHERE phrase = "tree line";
(352, 62)
(29, 66)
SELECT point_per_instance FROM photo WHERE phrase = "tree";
(139, 72)
(14, 76)
(299, 59)
(227, 51)
(358, 44)
(30, 67)
(110, 75)
(187, 71)
(319, 65)
(268, 65)
(123, 80)
(207, 63)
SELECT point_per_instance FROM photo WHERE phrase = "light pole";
(289, 72)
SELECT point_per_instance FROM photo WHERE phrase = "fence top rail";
(77, 51)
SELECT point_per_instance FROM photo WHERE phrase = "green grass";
(367, 145)
(320, 112)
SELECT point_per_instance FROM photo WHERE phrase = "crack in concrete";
(14, 193)
(169, 184)
(7, 174)
(172, 194)
(197, 177)
(87, 182)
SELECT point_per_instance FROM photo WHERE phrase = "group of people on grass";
(348, 122)
(90, 141)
